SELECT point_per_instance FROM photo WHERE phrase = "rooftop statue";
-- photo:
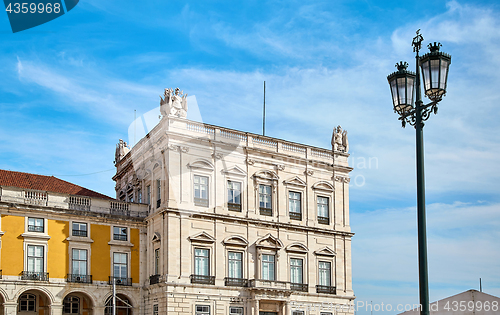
(339, 140)
(121, 150)
(174, 103)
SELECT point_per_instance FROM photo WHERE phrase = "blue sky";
(69, 88)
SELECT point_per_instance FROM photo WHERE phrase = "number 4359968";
(33, 8)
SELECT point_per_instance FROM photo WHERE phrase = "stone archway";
(123, 305)
(33, 301)
(78, 303)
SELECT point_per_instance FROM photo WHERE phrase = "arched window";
(123, 305)
(27, 303)
(71, 305)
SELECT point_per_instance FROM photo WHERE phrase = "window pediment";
(269, 242)
(297, 248)
(266, 175)
(295, 181)
(156, 237)
(202, 237)
(234, 171)
(201, 165)
(235, 240)
(324, 186)
(325, 251)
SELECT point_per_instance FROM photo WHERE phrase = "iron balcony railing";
(202, 279)
(120, 237)
(296, 216)
(34, 228)
(79, 278)
(120, 281)
(325, 289)
(234, 206)
(299, 287)
(0, 273)
(82, 233)
(35, 276)
(323, 220)
(201, 202)
(266, 211)
(154, 279)
(235, 282)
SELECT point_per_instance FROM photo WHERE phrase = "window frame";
(234, 206)
(330, 271)
(229, 251)
(265, 210)
(27, 297)
(269, 263)
(34, 228)
(41, 258)
(322, 219)
(86, 261)
(119, 236)
(156, 260)
(202, 312)
(296, 215)
(199, 201)
(79, 230)
(208, 258)
(231, 308)
(71, 304)
(126, 264)
(301, 270)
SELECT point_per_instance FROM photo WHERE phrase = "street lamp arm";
(410, 117)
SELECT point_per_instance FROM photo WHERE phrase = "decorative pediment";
(202, 237)
(269, 242)
(325, 251)
(267, 175)
(201, 165)
(156, 165)
(295, 181)
(323, 185)
(234, 171)
(297, 248)
(235, 240)
(156, 237)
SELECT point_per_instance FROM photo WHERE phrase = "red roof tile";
(45, 183)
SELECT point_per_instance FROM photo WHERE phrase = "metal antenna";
(480, 286)
(264, 115)
(134, 125)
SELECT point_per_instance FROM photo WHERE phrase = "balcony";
(120, 281)
(266, 211)
(234, 207)
(154, 279)
(260, 284)
(299, 287)
(323, 220)
(35, 228)
(235, 282)
(79, 203)
(201, 202)
(79, 278)
(0, 273)
(202, 279)
(295, 216)
(81, 233)
(325, 289)
(120, 237)
(35, 276)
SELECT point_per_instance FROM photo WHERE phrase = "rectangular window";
(296, 271)
(265, 199)
(234, 196)
(120, 269)
(79, 258)
(119, 233)
(201, 191)
(233, 310)
(139, 195)
(79, 229)
(35, 225)
(131, 198)
(148, 194)
(157, 261)
(298, 313)
(235, 263)
(35, 258)
(325, 273)
(155, 309)
(158, 193)
(201, 262)
(268, 267)
(323, 213)
(202, 309)
(294, 205)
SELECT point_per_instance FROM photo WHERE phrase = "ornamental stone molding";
(342, 179)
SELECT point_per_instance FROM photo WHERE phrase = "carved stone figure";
(339, 140)
(121, 150)
(174, 103)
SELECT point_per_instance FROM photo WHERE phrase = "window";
(148, 194)
(265, 200)
(35, 259)
(201, 262)
(155, 309)
(325, 274)
(296, 271)
(79, 257)
(131, 198)
(120, 269)
(202, 310)
(27, 303)
(158, 193)
(71, 305)
(157, 260)
(139, 195)
(233, 310)
(119, 233)
(234, 196)
(323, 216)
(294, 204)
(298, 313)
(35, 225)
(235, 263)
(201, 191)
(268, 267)
(79, 229)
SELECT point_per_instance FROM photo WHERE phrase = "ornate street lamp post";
(403, 83)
